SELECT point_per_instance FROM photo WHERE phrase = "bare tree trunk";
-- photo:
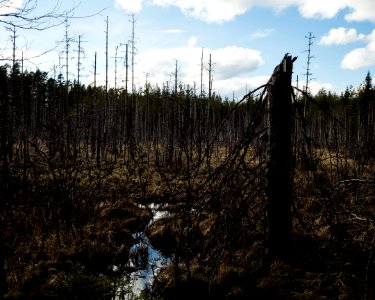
(107, 115)
(4, 190)
(279, 177)
(4, 175)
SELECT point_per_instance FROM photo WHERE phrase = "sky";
(245, 39)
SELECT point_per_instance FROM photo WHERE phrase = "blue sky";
(246, 40)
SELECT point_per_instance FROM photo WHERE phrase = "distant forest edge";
(85, 170)
(76, 121)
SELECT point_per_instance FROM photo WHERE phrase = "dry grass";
(215, 218)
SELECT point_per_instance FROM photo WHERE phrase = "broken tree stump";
(279, 175)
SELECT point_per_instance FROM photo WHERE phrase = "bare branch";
(24, 16)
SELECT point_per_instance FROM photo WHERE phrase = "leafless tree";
(23, 16)
(19, 15)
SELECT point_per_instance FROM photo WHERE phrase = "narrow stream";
(144, 278)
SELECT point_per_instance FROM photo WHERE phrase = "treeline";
(344, 121)
(78, 122)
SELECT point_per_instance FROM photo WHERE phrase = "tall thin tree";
(308, 73)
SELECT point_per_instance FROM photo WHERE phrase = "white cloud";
(9, 6)
(210, 11)
(321, 9)
(316, 86)
(232, 61)
(133, 6)
(32, 55)
(218, 11)
(356, 58)
(232, 69)
(362, 10)
(192, 41)
(237, 87)
(341, 36)
(231, 66)
(261, 33)
(361, 57)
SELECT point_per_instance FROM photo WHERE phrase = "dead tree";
(17, 17)
(279, 176)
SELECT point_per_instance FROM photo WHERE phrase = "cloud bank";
(219, 11)
(133, 6)
(361, 57)
(9, 6)
(232, 68)
(357, 58)
(227, 64)
(342, 36)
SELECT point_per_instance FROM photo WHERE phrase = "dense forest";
(103, 186)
